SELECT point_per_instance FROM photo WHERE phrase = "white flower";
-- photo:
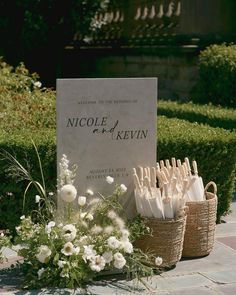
(43, 254)
(37, 199)
(108, 229)
(107, 256)
(89, 216)
(69, 232)
(109, 179)
(76, 250)
(81, 200)
(96, 229)
(90, 192)
(64, 275)
(119, 260)
(68, 193)
(68, 249)
(158, 261)
(50, 193)
(125, 234)
(123, 188)
(40, 272)
(97, 263)
(61, 263)
(119, 222)
(37, 84)
(89, 253)
(127, 247)
(2, 235)
(48, 227)
(113, 243)
(22, 217)
(83, 240)
(111, 214)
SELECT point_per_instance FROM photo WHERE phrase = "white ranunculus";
(81, 201)
(69, 232)
(109, 179)
(127, 247)
(108, 256)
(89, 253)
(40, 272)
(61, 263)
(37, 199)
(113, 243)
(119, 260)
(97, 263)
(68, 193)
(158, 261)
(68, 249)
(90, 192)
(43, 254)
(123, 188)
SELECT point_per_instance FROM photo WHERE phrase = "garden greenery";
(27, 112)
(217, 75)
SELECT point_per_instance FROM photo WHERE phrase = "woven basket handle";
(211, 183)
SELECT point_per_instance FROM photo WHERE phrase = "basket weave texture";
(200, 227)
(166, 240)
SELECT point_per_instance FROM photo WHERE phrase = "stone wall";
(176, 69)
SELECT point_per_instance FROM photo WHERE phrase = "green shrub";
(214, 116)
(212, 148)
(217, 76)
(28, 112)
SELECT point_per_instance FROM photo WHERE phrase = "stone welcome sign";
(107, 127)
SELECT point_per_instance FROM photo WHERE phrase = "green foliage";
(214, 116)
(26, 112)
(212, 148)
(217, 76)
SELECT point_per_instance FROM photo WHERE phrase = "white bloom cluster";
(65, 175)
(43, 254)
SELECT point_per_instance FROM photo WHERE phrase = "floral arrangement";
(73, 246)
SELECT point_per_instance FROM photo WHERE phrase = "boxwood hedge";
(29, 112)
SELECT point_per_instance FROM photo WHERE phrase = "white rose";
(123, 188)
(107, 256)
(109, 179)
(113, 243)
(69, 232)
(68, 249)
(43, 254)
(81, 200)
(119, 260)
(158, 261)
(68, 193)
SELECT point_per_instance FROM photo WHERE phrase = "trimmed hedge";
(217, 76)
(214, 116)
(214, 149)
(34, 117)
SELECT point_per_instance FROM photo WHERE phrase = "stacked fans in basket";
(179, 211)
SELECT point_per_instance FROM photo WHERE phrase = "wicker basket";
(166, 240)
(200, 227)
